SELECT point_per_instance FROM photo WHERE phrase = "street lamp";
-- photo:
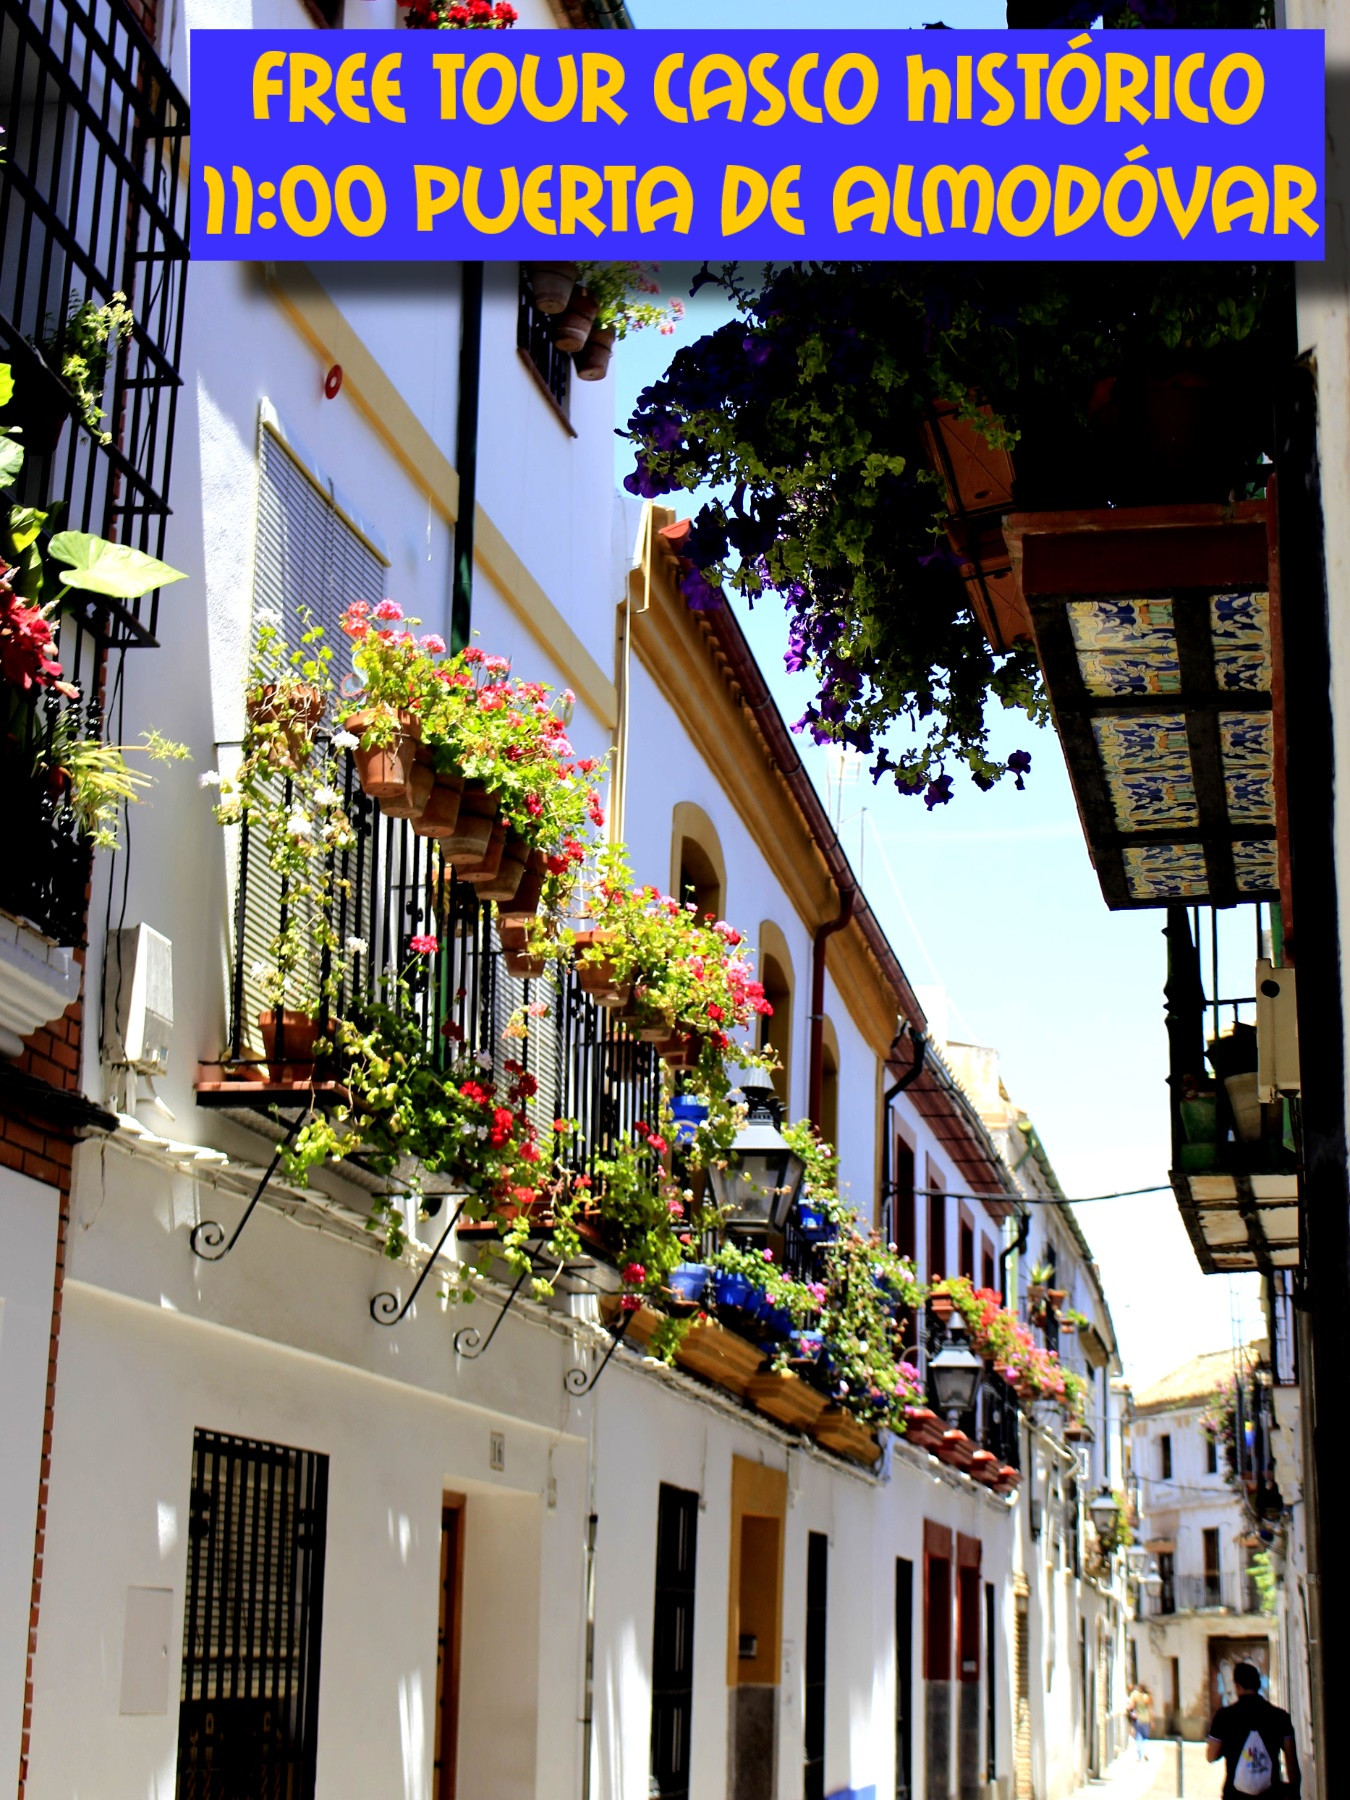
(763, 1175)
(1104, 1512)
(955, 1373)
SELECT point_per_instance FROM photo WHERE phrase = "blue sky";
(994, 899)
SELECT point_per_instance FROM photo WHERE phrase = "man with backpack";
(1251, 1735)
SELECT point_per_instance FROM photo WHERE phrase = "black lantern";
(955, 1373)
(1104, 1512)
(763, 1176)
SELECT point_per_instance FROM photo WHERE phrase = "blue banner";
(602, 145)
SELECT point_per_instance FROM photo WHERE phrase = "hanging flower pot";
(384, 770)
(592, 361)
(481, 871)
(678, 1051)
(468, 842)
(295, 708)
(597, 976)
(524, 966)
(511, 871)
(524, 903)
(437, 800)
(551, 283)
(574, 325)
(645, 1019)
(291, 1038)
(941, 1306)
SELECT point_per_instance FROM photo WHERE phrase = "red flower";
(657, 1143)
(630, 1303)
(473, 1090)
(424, 944)
(715, 1012)
(634, 1274)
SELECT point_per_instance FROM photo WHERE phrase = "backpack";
(1255, 1770)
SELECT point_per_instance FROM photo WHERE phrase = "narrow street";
(1157, 1777)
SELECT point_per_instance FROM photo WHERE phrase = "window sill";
(547, 392)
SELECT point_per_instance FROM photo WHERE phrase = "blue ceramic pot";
(814, 1226)
(689, 1115)
(687, 1281)
(733, 1290)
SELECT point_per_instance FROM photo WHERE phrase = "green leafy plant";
(98, 780)
(80, 352)
(620, 287)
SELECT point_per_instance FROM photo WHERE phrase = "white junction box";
(1276, 1032)
(138, 998)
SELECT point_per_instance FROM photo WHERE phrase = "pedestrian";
(1139, 1711)
(1250, 1736)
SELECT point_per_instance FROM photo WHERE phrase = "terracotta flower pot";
(551, 283)
(289, 1047)
(941, 1306)
(592, 361)
(384, 770)
(679, 1050)
(524, 903)
(574, 325)
(511, 872)
(468, 843)
(523, 966)
(482, 871)
(437, 798)
(599, 978)
(297, 716)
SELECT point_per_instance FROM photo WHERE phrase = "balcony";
(1231, 1591)
(389, 888)
(1234, 1160)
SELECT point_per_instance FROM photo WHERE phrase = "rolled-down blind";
(309, 565)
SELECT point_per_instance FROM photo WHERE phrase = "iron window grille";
(253, 1620)
(93, 204)
(534, 336)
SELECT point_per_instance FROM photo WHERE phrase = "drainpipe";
(847, 895)
(897, 1088)
(1018, 1244)
(466, 450)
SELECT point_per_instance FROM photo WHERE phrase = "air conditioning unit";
(1276, 1032)
(138, 999)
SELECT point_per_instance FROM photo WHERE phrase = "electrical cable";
(1161, 1187)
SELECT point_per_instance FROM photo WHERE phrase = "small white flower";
(481, 1131)
(483, 1060)
(327, 796)
(268, 615)
(356, 946)
(299, 826)
(260, 971)
(209, 778)
(346, 740)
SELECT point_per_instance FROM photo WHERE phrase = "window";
(534, 339)
(1167, 1594)
(1211, 1457)
(829, 1084)
(904, 1675)
(966, 1260)
(904, 1225)
(1212, 1571)
(991, 1662)
(817, 1584)
(1165, 1457)
(673, 1640)
(446, 1754)
(253, 1615)
(937, 1602)
(937, 1226)
(775, 1029)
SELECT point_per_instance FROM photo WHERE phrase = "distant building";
(1201, 1449)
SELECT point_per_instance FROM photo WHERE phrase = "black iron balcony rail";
(388, 889)
(534, 339)
(93, 204)
(1231, 1590)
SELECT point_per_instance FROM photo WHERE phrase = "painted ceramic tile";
(1125, 646)
(1165, 871)
(1240, 627)
(1247, 742)
(1255, 864)
(1147, 764)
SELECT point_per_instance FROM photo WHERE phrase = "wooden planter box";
(642, 1326)
(838, 1430)
(719, 1356)
(787, 1398)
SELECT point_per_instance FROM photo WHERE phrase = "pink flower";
(389, 609)
(425, 944)
(433, 645)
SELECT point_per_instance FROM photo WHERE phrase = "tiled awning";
(1154, 632)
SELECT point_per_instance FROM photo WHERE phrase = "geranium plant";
(623, 291)
(998, 1335)
(458, 15)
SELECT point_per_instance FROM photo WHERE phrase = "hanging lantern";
(763, 1175)
(955, 1373)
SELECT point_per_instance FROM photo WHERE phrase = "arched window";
(698, 871)
(829, 1085)
(775, 1029)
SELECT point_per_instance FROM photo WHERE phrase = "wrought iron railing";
(534, 336)
(44, 871)
(1233, 1590)
(392, 887)
(93, 204)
